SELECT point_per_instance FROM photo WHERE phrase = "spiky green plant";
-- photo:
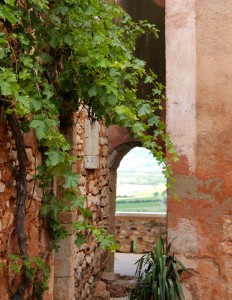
(158, 275)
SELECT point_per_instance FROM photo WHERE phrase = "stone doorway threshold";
(117, 285)
(124, 263)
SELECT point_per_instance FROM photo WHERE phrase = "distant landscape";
(140, 183)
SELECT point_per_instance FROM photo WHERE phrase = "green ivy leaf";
(36, 102)
(79, 226)
(78, 201)
(79, 240)
(71, 180)
(10, 2)
(153, 121)
(8, 82)
(40, 128)
(6, 13)
(26, 60)
(144, 110)
(54, 158)
(92, 91)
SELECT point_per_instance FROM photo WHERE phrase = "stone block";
(30, 156)
(104, 191)
(103, 163)
(82, 190)
(29, 138)
(104, 180)
(66, 248)
(93, 187)
(2, 187)
(64, 268)
(13, 155)
(109, 276)
(117, 291)
(64, 288)
(93, 200)
(105, 151)
(103, 141)
(82, 180)
(91, 162)
(100, 292)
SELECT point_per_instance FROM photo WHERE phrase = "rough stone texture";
(76, 268)
(73, 269)
(143, 230)
(36, 236)
(114, 286)
(199, 39)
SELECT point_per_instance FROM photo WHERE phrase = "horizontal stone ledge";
(140, 214)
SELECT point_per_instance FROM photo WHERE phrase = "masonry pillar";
(199, 117)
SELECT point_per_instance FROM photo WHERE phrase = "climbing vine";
(56, 56)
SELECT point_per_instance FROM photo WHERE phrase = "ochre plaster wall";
(199, 114)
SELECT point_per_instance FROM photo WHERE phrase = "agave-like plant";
(158, 275)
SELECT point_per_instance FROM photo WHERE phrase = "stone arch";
(115, 156)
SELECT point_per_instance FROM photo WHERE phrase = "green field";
(140, 207)
(141, 186)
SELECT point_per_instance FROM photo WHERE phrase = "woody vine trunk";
(20, 176)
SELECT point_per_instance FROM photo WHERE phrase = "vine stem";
(21, 199)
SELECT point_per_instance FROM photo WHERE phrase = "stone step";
(112, 286)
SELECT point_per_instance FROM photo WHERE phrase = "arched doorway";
(153, 224)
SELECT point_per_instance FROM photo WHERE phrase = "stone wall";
(138, 232)
(35, 228)
(75, 269)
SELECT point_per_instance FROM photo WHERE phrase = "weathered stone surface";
(100, 287)
(2, 187)
(67, 249)
(88, 141)
(64, 288)
(139, 234)
(100, 291)
(91, 162)
(64, 268)
(109, 276)
(117, 291)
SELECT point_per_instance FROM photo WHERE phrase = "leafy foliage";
(158, 275)
(58, 55)
(31, 267)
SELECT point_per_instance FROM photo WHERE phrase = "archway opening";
(141, 185)
(140, 202)
(140, 217)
